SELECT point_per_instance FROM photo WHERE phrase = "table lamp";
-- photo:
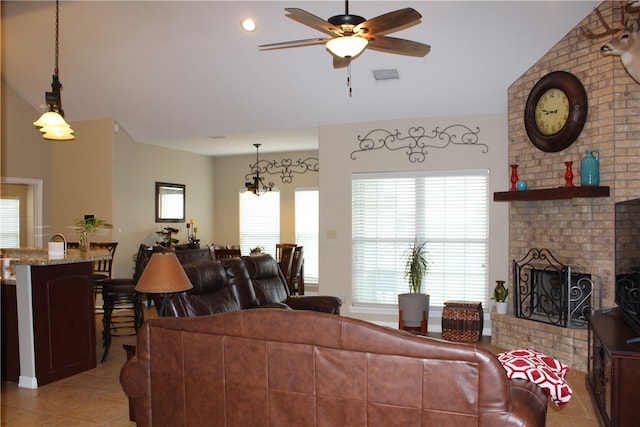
(163, 275)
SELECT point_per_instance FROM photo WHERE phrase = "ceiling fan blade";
(391, 21)
(398, 46)
(312, 21)
(294, 43)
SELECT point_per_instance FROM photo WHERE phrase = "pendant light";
(52, 123)
(257, 185)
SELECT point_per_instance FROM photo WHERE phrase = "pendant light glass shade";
(54, 127)
(59, 135)
(51, 118)
(347, 46)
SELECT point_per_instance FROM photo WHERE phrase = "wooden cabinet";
(613, 377)
(51, 333)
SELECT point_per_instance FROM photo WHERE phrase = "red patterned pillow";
(538, 368)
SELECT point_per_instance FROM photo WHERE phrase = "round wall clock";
(556, 111)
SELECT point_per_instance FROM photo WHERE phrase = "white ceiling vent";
(389, 74)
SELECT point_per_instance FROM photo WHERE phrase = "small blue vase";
(590, 168)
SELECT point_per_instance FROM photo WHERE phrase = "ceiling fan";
(351, 34)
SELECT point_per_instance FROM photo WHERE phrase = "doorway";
(22, 200)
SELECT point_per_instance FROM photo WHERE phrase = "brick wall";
(579, 232)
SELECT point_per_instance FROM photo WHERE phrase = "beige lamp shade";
(163, 274)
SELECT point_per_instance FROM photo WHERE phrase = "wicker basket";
(462, 321)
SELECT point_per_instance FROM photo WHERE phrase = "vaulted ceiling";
(183, 74)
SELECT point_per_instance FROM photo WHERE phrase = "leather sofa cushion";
(239, 283)
(268, 282)
(210, 293)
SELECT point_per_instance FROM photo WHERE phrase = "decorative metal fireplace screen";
(548, 291)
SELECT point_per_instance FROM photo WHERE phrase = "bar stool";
(119, 299)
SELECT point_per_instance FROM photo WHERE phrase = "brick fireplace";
(579, 231)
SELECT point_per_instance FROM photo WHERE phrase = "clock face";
(556, 111)
(552, 111)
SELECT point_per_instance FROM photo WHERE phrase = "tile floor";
(95, 398)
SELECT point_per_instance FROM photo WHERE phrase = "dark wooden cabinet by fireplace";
(613, 378)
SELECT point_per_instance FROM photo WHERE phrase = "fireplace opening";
(545, 290)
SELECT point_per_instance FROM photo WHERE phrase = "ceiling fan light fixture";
(347, 46)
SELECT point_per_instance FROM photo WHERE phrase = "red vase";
(568, 175)
(514, 177)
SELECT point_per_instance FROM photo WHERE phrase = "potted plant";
(500, 294)
(414, 306)
(88, 226)
(257, 250)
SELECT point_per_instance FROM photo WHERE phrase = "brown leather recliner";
(238, 284)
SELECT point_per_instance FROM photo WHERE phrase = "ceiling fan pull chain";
(349, 78)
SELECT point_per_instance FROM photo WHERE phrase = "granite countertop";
(38, 256)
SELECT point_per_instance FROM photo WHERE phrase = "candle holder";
(568, 175)
(514, 177)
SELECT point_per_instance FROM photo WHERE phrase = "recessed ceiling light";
(248, 24)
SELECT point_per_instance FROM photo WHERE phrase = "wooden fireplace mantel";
(552, 193)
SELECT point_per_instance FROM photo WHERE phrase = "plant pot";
(501, 307)
(412, 306)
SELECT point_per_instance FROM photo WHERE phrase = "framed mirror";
(170, 202)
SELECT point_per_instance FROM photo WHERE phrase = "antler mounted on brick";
(625, 38)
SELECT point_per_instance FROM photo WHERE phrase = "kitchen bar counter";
(37, 256)
(54, 301)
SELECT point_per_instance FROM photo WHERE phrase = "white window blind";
(259, 221)
(448, 210)
(9, 223)
(307, 225)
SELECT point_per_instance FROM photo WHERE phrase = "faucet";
(57, 237)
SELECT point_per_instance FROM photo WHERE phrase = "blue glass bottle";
(590, 168)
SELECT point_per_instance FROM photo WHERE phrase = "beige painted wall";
(88, 176)
(230, 179)
(81, 177)
(103, 172)
(336, 145)
(137, 168)
(24, 154)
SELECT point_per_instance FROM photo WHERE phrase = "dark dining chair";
(285, 260)
(102, 268)
(296, 277)
(226, 253)
(280, 247)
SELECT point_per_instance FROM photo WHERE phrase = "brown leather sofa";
(277, 367)
(238, 284)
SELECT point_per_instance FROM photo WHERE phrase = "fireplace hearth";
(547, 291)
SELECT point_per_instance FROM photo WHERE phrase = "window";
(307, 225)
(9, 223)
(448, 210)
(259, 221)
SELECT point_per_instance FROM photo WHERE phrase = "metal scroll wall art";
(417, 142)
(286, 168)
